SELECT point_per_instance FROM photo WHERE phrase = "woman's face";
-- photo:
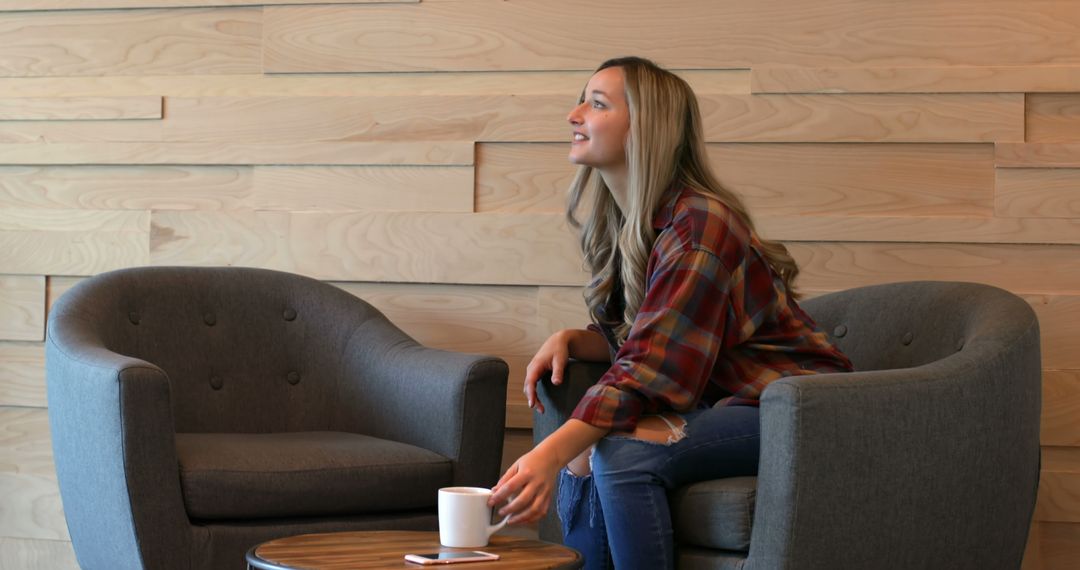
(600, 123)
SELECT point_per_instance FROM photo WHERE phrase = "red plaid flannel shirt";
(716, 324)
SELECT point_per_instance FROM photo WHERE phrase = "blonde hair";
(666, 145)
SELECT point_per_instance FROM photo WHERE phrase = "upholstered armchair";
(926, 457)
(196, 412)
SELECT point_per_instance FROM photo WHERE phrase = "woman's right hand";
(553, 355)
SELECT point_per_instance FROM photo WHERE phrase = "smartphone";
(451, 557)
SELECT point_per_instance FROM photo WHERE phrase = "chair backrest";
(908, 324)
(245, 350)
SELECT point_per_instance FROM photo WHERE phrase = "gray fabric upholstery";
(926, 457)
(146, 361)
(715, 514)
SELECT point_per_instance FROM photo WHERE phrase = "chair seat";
(274, 475)
(715, 514)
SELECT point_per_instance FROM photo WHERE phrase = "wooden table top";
(387, 549)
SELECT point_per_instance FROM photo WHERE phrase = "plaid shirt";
(716, 324)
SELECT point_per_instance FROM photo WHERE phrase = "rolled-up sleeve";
(673, 344)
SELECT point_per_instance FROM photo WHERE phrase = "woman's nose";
(574, 118)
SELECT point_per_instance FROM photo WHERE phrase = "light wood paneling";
(536, 118)
(1053, 117)
(28, 488)
(562, 308)
(1037, 192)
(537, 34)
(56, 286)
(223, 40)
(1051, 269)
(22, 307)
(1058, 545)
(1059, 324)
(1036, 155)
(1059, 485)
(924, 230)
(787, 179)
(518, 413)
(478, 320)
(79, 108)
(217, 153)
(517, 442)
(406, 188)
(256, 239)
(79, 131)
(126, 187)
(16, 5)
(1061, 407)
(22, 374)
(566, 83)
(72, 242)
(951, 79)
(33, 554)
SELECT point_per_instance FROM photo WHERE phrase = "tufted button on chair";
(196, 412)
(926, 457)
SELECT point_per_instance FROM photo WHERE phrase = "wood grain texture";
(56, 286)
(1059, 545)
(28, 488)
(473, 319)
(542, 118)
(330, 188)
(34, 554)
(785, 179)
(245, 238)
(935, 229)
(1059, 324)
(561, 308)
(22, 374)
(1037, 192)
(79, 108)
(1050, 269)
(1053, 117)
(126, 187)
(1059, 485)
(518, 413)
(19, 5)
(72, 242)
(567, 83)
(254, 153)
(22, 307)
(536, 34)
(1033, 550)
(942, 79)
(79, 131)
(221, 40)
(1061, 407)
(1036, 155)
(516, 443)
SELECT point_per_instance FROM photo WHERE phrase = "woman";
(696, 313)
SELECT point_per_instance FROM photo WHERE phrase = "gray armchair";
(926, 457)
(196, 412)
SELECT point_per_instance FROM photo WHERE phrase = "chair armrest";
(851, 462)
(451, 403)
(112, 434)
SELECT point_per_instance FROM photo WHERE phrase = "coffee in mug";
(465, 517)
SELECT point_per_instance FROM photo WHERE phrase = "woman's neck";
(615, 180)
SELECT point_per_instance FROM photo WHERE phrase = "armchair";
(196, 412)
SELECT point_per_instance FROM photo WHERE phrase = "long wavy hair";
(665, 147)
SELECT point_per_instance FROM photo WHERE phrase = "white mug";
(465, 517)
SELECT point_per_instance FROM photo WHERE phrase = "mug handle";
(492, 529)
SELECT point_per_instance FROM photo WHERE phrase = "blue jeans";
(619, 514)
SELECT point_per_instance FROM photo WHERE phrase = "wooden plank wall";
(414, 154)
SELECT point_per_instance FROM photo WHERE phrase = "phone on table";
(451, 557)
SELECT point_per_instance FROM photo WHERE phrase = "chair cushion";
(264, 475)
(715, 514)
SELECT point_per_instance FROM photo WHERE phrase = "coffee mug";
(465, 517)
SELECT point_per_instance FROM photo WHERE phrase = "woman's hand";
(528, 485)
(553, 355)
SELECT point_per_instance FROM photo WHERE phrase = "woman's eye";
(597, 105)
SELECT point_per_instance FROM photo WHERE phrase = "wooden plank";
(36, 554)
(1061, 407)
(536, 34)
(1059, 322)
(518, 412)
(472, 319)
(786, 179)
(22, 374)
(561, 308)
(56, 286)
(1051, 269)
(246, 238)
(28, 488)
(22, 307)
(72, 242)
(566, 83)
(217, 153)
(1036, 155)
(920, 229)
(1053, 117)
(79, 108)
(1059, 545)
(74, 220)
(516, 442)
(939, 79)
(1059, 485)
(126, 187)
(135, 42)
(1037, 192)
(20, 5)
(403, 188)
(542, 118)
(1033, 550)
(79, 131)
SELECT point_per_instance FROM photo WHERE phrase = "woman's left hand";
(528, 484)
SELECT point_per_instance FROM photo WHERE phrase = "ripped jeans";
(619, 514)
